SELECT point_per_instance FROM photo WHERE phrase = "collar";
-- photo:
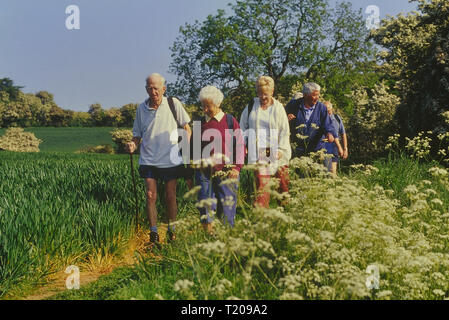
(309, 109)
(147, 103)
(217, 117)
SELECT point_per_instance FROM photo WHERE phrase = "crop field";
(60, 209)
(376, 232)
(66, 139)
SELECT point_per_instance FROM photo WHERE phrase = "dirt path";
(96, 267)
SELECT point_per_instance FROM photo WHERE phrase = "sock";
(153, 229)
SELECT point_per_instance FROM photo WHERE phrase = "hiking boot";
(171, 236)
(154, 238)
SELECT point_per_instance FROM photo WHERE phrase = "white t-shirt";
(158, 130)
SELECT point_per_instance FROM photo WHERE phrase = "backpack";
(171, 104)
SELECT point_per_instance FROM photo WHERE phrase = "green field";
(68, 139)
(62, 208)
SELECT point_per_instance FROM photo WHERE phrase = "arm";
(133, 145)
(329, 128)
(284, 136)
(340, 149)
(345, 147)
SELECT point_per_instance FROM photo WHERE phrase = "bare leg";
(334, 168)
(170, 198)
(151, 190)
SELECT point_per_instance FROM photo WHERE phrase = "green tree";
(97, 114)
(128, 114)
(277, 38)
(112, 117)
(46, 97)
(7, 85)
(417, 59)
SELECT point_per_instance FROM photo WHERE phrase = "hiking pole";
(135, 190)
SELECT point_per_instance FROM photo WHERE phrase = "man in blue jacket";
(310, 124)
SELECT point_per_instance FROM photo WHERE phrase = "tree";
(273, 37)
(128, 114)
(112, 117)
(417, 59)
(97, 114)
(8, 86)
(372, 122)
(46, 97)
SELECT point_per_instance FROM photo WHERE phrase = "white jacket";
(278, 121)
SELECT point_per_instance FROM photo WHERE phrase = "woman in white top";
(267, 136)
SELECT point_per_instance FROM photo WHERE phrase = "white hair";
(156, 75)
(213, 94)
(264, 81)
(310, 87)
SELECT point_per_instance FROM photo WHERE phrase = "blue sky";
(118, 44)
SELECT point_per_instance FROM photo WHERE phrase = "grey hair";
(310, 87)
(156, 75)
(211, 93)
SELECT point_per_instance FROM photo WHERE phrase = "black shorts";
(165, 174)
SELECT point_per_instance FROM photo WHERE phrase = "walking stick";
(135, 191)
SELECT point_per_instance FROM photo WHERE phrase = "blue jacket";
(316, 129)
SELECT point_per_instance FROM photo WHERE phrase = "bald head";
(156, 77)
(155, 89)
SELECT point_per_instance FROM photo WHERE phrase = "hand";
(340, 152)
(234, 174)
(330, 138)
(345, 154)
(130, 147)
(278, 155)
(291, 117)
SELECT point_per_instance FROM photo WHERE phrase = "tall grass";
(57, 209)
(392, 216)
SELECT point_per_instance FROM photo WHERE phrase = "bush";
(372, 122)
(107, 149)
(15, 139)
(120, 138)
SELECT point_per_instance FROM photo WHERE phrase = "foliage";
(372, 121)
(15, 139)
(417, 59)
(60, 209)
(120, 138)
(7, 86)
(277, 38)
(107, 148)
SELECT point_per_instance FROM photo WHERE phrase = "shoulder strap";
(250, 108)
(230, 121)
(338, 118)
(171, 103)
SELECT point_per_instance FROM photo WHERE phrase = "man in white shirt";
(155, 128)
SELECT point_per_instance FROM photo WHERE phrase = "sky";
(118, 44)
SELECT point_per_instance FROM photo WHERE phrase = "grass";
(59, 208)
(62, 208)
(67, 139)
(318, 247)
